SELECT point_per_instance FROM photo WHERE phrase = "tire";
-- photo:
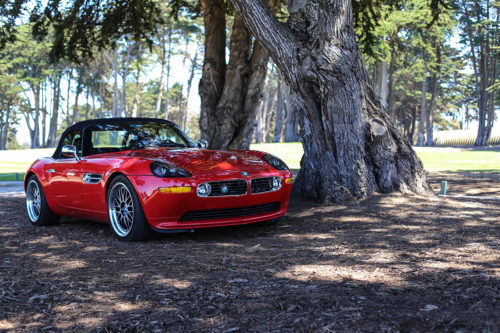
(37, 208)
(125, 213)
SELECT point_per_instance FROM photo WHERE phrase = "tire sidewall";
(140, 225)
(46, 217)
(42, 198)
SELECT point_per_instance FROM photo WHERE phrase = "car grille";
(210, 214)
(235, 187)
(260, 185)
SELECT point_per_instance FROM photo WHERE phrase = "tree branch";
(274, 36)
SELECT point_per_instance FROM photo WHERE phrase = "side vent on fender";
(92, 178)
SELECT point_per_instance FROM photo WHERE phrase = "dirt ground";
(389, 263)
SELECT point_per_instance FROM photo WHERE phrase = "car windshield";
(137, 135)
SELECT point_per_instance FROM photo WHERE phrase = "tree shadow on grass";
(385, 263)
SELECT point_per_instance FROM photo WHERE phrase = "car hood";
(204, 161)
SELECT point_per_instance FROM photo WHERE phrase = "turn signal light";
(178, 189)
(288, 180)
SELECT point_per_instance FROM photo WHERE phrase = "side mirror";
(202, 144)
(69, 152)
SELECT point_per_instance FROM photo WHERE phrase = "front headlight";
(275, 162)
(165, 170)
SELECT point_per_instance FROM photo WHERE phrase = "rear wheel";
(125, 212)
(38, 210)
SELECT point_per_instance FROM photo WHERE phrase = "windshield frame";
(128, 126)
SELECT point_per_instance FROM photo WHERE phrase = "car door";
(65, 175)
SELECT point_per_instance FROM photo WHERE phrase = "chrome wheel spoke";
(33, 200)
(121, 209)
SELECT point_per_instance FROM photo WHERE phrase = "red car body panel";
(67, 194)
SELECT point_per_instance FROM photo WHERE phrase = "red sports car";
(145, 174)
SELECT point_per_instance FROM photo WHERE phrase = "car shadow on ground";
(385, 263)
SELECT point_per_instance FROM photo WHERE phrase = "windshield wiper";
(171, 144)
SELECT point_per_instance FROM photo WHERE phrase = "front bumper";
(164, 210)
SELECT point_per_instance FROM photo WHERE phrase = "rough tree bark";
(351, 147)
(214, 63)
(230, 94)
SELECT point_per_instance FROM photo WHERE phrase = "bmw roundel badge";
(244, 174)
(224, 189)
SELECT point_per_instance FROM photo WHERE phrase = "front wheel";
(38, 210)
(125, 212)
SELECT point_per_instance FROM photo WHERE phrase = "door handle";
(51, 171)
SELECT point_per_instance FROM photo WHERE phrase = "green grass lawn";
(442, 160)
(434, 159)
(10, 170)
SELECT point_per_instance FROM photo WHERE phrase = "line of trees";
(131, 79)
(357, 81)
(421, 78)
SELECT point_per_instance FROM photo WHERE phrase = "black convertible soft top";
(81, 125)
(104, 121)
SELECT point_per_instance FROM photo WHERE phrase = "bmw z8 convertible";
(140, 175)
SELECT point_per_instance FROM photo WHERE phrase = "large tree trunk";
(214, 63)
(423, 111)
(252, 93)
(351, 147)
(230, 96)
(222, 119)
